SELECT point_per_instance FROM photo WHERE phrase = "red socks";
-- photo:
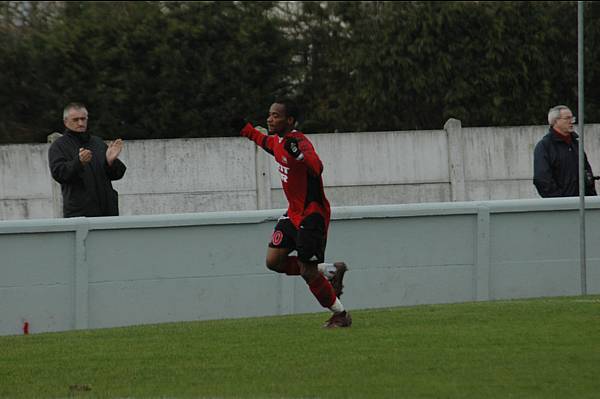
(320, 286)
(323, 291)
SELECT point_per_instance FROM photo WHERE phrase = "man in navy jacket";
(556, 158)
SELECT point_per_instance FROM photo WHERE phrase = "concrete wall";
(63, 274)
(231, 174)
(25, 182)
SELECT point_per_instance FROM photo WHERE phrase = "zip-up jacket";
(556, 167)
(86, 189)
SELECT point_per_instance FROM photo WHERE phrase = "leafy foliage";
(182, 69)
(413, 65)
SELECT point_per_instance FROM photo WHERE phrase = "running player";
(304, 226)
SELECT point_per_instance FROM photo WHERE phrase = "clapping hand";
(85, 156)
(113, 151)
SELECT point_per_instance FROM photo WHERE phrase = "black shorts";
(310, 240)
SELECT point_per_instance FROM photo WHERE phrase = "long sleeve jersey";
(301, 180)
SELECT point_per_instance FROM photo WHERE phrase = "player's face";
(277, 122)
(76, 120)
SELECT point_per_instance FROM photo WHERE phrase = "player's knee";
(272, 266)
(273, 263)
(309, 272)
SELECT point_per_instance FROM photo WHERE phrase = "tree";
(413, 65)
(149, 69)
(182, 69)
(24, 61)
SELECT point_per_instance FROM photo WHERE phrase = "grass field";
(543, 348)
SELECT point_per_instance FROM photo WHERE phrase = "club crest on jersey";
(277, 237)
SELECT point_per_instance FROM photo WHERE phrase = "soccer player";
(304, 226)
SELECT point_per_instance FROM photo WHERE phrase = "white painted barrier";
(63, 274)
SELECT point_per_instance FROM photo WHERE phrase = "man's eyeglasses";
(569, 118)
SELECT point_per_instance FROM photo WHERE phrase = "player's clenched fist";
(237, 124)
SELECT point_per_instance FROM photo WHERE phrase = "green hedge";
(182, 69)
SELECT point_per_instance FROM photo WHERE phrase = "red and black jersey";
(301, 180)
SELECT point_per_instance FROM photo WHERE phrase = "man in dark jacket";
(556, 158)
(85, 166)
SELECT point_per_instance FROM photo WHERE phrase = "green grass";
(544, 348)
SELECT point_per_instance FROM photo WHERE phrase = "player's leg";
(279, 261)
(334, 272)
(283, 241)
(327, 269)
(311, 251)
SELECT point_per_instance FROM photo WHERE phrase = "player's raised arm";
(246, 129)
